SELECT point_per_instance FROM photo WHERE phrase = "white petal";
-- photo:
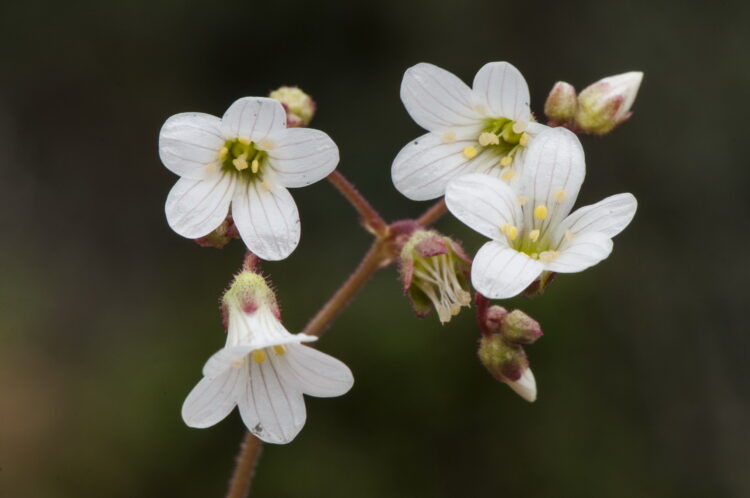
(271, 410)
(499, 272)
(525, 386)
(266, 217)
(582, 251)
(213, 398)
(483, 203)
(436, 99)
(609, 216)
(189, 143)
(313, 372)
(195, 207)
(553, 171)
(224, 359)
(423, 168)
(502, 88)
(303, 156)
(254, 118)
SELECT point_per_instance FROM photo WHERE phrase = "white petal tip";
(525, 386)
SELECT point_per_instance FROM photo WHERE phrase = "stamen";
(524, 140)
(522, 199)
(267, 144)
(508, 175)
(510, 231)
(519, 127)
(506, 161)
(259, 355)
(534, 235)
(560, 195)
(241, 162)
(279, 350)
(480, 108)
(449, 136)
(243, 141)
(568, 235)
(548, 256)
(223, 153)
(255, 166)
(211, 168)
(540, 212)
(487, 138)
(470, 152)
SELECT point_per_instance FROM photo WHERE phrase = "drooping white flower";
(263, 369)
(530, 226)
(247, 158)
(484, 129)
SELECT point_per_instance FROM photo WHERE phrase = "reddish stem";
(370, 218)
(433, 213)
(482, 305)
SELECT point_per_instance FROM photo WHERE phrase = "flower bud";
(299, 106)
(221, 236)
(508, 364)
(561, 103)
(519, 328)
(247, 293)
(494, 318)
(434, 271)
(605, 104)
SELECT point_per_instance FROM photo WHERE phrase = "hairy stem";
(433, 213)
(371, 219)
(239, 486)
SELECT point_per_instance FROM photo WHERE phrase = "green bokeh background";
(106, 316)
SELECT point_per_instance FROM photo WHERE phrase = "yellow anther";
(540, 212)
(524, 140)
(470, 152)
(548, 256)
(255, 166)
(223, 153)
(449, 136)
(534, 235)
(522, 199)
(561, 195)
(487, 138)
(243, 141)
(259, 355)
(266, 185)
(267, 144)
(279, 349)
(211, 168)
(510, 231)
(506, 161)
(508, 175)
(241, 162)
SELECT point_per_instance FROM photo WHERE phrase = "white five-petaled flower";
(263, 369)
(530, 226)
(484, 129)
(248, 158)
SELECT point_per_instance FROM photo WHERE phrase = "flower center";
(241, 156)
(501, 136)
(534, 240)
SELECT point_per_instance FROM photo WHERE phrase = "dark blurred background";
(107, 316)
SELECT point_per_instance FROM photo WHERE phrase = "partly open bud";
(434, 271)
(248, 293)
(299, 106)
(507, 363)
(561, 104)
(605, 104)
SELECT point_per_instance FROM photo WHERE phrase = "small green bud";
(220, 236)
(606, 104)
(299, 106)
(248, 292)
(561, 103)
(519, 328)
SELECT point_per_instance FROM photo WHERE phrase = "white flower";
(263, 369)
(484, 129)
(247, 158)
(530, 227)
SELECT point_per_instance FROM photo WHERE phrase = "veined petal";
(224, 359)
(436, 99)
(484, 203)
(259, 329)
(499, 272)
(213, 398)
(266, 217)
(503, 90)
(273, 411)
(423, 168)
(254, 118)
(303, 156)
(582, 251)
(195, 207)
(313, 372)
(553, 171)
(609, 216)
(189, 144)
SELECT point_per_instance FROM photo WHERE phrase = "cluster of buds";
(435, 273)
(599, 108)
(501, 348)
(299, 106)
